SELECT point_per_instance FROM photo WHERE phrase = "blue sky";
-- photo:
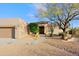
(24, 11)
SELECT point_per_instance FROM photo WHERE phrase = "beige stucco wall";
(46, 29)
(56, 29)
(19, 24)
(21, 29)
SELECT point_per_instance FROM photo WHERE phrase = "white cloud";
(40, 6)
(30, 15)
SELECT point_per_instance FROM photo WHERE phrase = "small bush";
(74, 32)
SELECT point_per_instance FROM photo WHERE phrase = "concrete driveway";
(28, 41)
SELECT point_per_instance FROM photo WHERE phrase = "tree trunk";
(51, 28)
(51, 33)
(64, 34)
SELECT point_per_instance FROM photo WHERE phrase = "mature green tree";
(61, 14)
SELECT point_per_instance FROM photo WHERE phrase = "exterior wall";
(57, 30)
(21, 30)
(47, 31)
(19, 25)
(46, 28)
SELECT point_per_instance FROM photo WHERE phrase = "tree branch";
(72, 17)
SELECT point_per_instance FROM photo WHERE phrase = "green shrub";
(33, 27)
(77, 32)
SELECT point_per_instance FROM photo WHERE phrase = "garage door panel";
(5, 32)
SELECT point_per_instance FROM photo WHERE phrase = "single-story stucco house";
(16, 28)
(45, 26)
(12, 28)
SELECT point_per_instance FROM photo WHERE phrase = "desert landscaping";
(48, 47)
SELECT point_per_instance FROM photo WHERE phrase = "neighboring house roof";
(43, 22)
(11, 22)
(46, 22)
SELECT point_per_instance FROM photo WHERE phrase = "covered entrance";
(41, 29)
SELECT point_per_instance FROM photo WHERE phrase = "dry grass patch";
(41, 49)
(72, 47)
(44, 50)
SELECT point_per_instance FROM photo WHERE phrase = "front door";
(41, 29)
